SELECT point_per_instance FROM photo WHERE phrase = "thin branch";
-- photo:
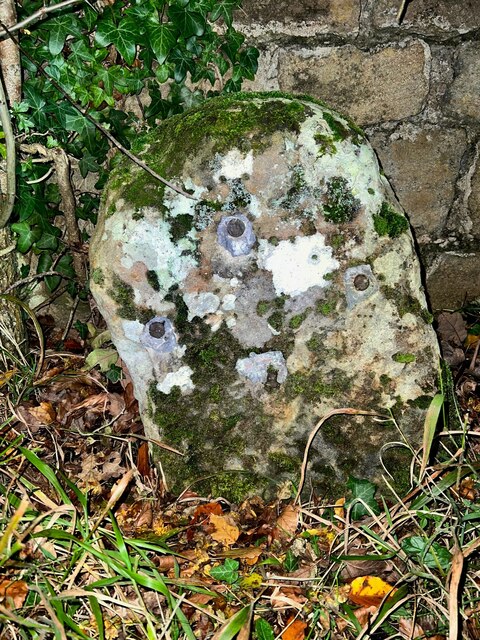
(401, 10)
(38, 15)
(6, 205)
(102, 129)
(28, 279)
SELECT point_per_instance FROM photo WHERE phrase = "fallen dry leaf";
(5, 377)
(282, 597)
(226, 531)
(287, 522)
(363, 614)
(249, 554)
(44, 413)
(369, 590)
(409, 629)
(13, 593)
(295, 630)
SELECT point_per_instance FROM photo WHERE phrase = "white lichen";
(181, 378)
(200, 304)
(296, 266)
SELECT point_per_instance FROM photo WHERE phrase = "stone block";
(429, 17)
(306, 17)
(370, 86)
(422, 164)
(474, 201)
(283, 285)
(454, 279)
(463, 97)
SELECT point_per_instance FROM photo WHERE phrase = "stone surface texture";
(285, 286)
(410, 83)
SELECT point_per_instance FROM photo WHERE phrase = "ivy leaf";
(227, 572)
(224, 9)
(80, 53)
(27, 235)
(88, 163)
(104, 358)
(263, 630)
(290, 563)
(162, 38)
(49, 238)
(232, 44)
(123, 36)
(75, 121)
(434, 556)
(188, 23)
(59, 28)
(183, 63)
(248, 59)
(364, 490)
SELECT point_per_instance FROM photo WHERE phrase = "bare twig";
(116, 143)
(28, 279)
(455, 577)
(401, 10)
(333, 412)
(38, 15)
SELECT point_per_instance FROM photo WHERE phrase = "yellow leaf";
(5, 377)
(13, 593)
(226, 532)
(253, 581)
(369, 590)
(44, 413)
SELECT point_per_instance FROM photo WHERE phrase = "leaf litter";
(262, 570)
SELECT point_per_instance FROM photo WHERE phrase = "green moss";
(312, 387)
(404, 358)
(180, 226)
(283, 462)
(98, 277)
(422, 402)
(152, 279)
(296, 321)
(325, 308)
(276, 320)
(371, 191)
(263, 307)
(406, 303)
(123, 294)
(326, 144)
(385, 380)
(329, 276)
(388, 222)
(232, 485)
(340, 206)
(215, 393)
(314, 343)
(337, 241)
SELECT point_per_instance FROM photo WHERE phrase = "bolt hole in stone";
(361, 282)
(157, 329)
(235, 228)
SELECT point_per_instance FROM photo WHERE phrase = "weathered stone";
(464, 93)
(422, 165)
(429, 17)
(308, 17)
(360, 83)
(237, 347)
(453, 280)
(474, 201)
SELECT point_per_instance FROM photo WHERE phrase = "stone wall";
(414, 88)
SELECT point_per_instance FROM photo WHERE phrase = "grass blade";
(430, 426)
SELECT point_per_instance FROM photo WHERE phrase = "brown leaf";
(295, 630)
(143, 460)
(226, 531)
(13, 593)
(249, 554)
(287, 521)
(409, 629)
(363, 614)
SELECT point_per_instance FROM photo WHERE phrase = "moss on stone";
(404, 358)
(275, 320)
(283, 462)
(263, 307)
(296, 321)
(98, 277)
(387, 222)
(325, 308)
(340, 204)
(312, 387)
(152, 279)
(123, 294)
(180, 226)
(406, 303)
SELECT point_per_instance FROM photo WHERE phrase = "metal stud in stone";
(360, 284)
(159, 334)
(235, 234)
